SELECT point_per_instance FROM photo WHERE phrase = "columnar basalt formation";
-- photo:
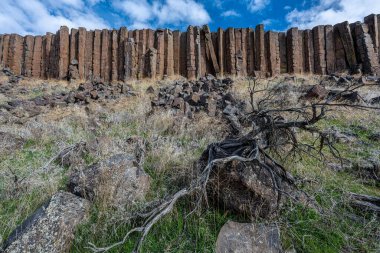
(119, 55)
(273, 51)
(308, 46)
(260, 63)
(293, 51)
(319, 50)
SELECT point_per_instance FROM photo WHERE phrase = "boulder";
(367, 169)
(246, 188)
(51, 228)
(119, 181)
(317, 91)
(248, 238)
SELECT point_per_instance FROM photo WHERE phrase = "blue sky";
(41, 16)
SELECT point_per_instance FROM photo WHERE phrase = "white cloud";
(230, 13)
(287, 7)
(332, 12)
(267, 22)
(257, 5)
(137, 10)
(41, 16)
(170, 12)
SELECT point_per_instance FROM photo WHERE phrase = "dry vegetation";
(174, 144)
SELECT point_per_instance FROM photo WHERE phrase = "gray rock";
(118, 181)
(374, 136)
(51, 228)
(248, 238)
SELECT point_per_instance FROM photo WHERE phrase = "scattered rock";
(367, 169)
(374, 136)
(347, 96)
(317, 91)
(150, 90)
(375, 100)
(248, 238)
(51, 228)
(118, 180)
(207, 94)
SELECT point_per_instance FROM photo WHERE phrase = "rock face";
(248, 238)
(118, 181)
(51, 228)
(196, 52)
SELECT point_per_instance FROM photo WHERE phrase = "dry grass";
(174, 143)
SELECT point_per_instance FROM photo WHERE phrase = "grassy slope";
(174, 146)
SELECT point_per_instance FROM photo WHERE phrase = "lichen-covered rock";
(248, 238)
(118, 181)
(51, 228)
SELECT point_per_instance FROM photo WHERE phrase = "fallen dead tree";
(241, 173)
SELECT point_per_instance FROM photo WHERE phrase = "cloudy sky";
(41, 16)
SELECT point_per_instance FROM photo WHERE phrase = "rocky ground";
(81, 163)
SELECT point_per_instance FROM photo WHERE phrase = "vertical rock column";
(46, 52)
(105, 56)
(230, 52)
(203, 68)
(160, 46)
(63, 52)
(198, 51)
(308, 51)
(183, 54)
(340, 55)
(177, 51)
(73, 45)
(238, 52)
(88, 54)
(6, 39)
(141, 48)
(81, 52)
(151, 63)
(169, 56)
(365, 48)
(301, 53)
(345, 35)
(1, 48)
(96, 57)
(330, 49)
(114, 56)
(53, 57)
(210, 52)
(319, 50)
(190, 58)
(37, 56)
(221, 46)
(28, 56)
(260, 50)
(250, 51)
(373, 30)
(293, 51)
(123, 36)
(15, 53)
(131, 60)
(149, 38)
(273, 51)
(283, 54)
(244, 51)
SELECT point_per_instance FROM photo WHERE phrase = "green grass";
(174, 233)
